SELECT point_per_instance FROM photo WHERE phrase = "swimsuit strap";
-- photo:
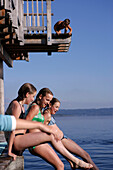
(22, 115)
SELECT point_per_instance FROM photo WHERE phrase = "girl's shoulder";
(34, 106)
(13, 109)
(14, 104)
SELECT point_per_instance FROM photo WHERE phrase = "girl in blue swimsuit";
(68, 143)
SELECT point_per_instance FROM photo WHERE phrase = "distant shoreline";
(94, 112)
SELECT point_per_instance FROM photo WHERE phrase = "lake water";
(94, 133)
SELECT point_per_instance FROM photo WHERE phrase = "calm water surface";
(92, 133)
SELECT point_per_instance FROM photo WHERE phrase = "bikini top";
(22, 114)
(39, 117)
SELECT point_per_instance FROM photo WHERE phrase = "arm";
(25, 124)
(15, 111)
(34, 110)
(51, 130)
(10, 146)
(55, 127)
(45, 128)
(70, 30)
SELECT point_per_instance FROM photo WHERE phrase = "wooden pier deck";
(6, 162)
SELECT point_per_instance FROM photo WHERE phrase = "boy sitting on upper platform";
(63, 25)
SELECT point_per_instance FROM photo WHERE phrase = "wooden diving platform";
(38, 43)
(25, 26)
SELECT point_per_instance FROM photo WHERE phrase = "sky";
(82, 77)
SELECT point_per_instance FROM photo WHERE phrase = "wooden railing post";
(1, 88)
(49, 35)
(38, 18)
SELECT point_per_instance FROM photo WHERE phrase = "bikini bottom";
(19, 153)
(64, 137)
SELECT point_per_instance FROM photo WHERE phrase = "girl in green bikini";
(44, 150)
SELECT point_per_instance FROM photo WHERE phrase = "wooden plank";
(42, 13)
(49, 34)
(60, 41)
(38, 14)
(34, 41)
(20, 17)
(38, 0)
(33, 19)
(7, 5)
(34, 28)
(34, 47)
(28, 13)
(1, 88)
(62, 48)
(5, 56)
(1, 3)
(7, 163)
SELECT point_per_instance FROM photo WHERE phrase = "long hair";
(24, 89)
(42, 92)
(54, 100)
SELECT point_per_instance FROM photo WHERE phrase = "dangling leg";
(77, 150)
(62, 150)
(40, 137)
(46, 152)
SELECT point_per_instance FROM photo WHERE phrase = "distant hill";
(89, 112)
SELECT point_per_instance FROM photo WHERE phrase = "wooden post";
(49, 36)
(1, 88)
(38, 18)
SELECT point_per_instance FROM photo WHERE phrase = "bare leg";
(49, 155)
(62, 150)
(34, 139)
(76, 149)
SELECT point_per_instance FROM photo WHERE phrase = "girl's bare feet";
(84, 165)
(80, 164)
(73, 165)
